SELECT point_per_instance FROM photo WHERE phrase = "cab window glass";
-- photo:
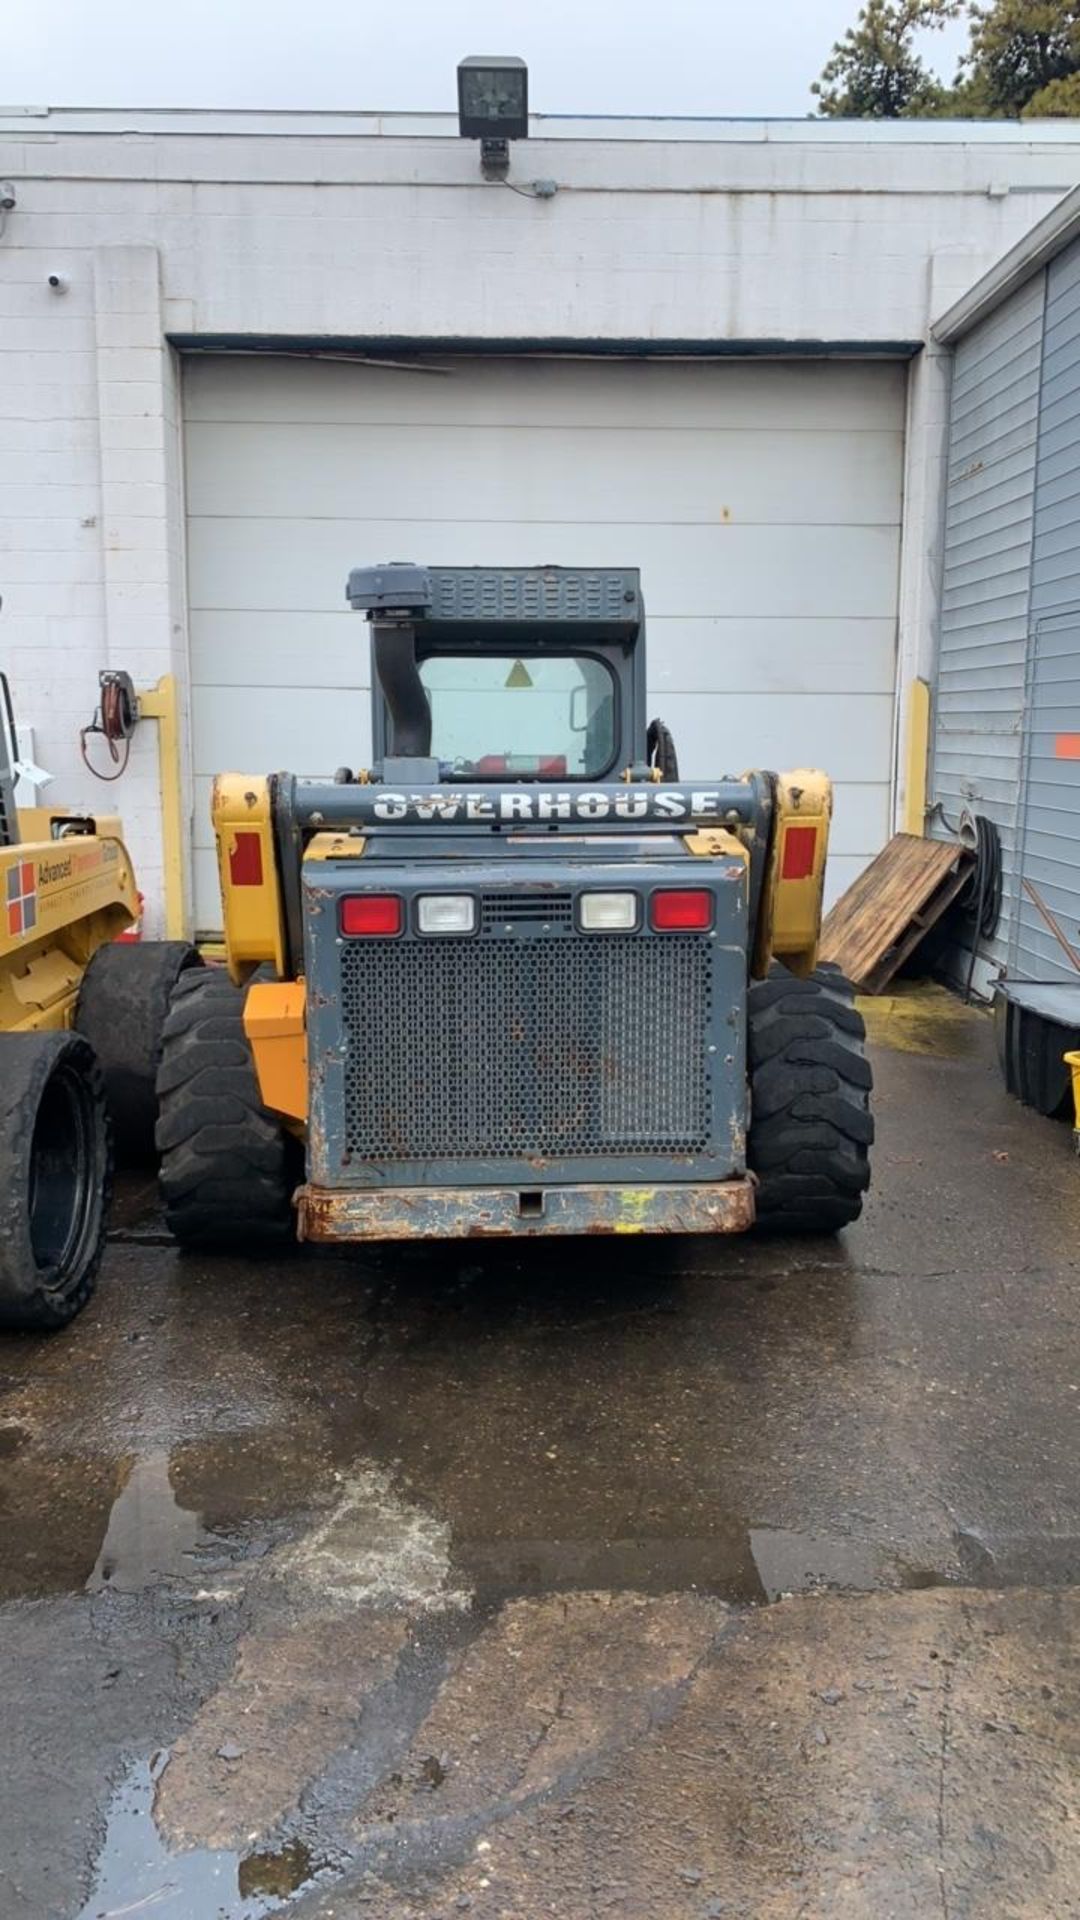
(549, 717)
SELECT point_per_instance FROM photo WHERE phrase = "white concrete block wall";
(141, 523)
(52, 563)
(353, 227)
(91, 557)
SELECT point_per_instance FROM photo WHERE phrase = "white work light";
(608, 912)
(446, 913)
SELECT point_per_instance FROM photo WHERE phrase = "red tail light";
(371, 913)
(245, 861)
(688, 911)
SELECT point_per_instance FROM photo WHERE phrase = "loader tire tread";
(56, 1169)
(124, 999)
(811, 1128)
(228, 1166)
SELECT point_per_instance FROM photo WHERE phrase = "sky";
(726, 57)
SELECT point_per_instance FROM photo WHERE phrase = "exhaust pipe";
(393, 596)
(404, 692)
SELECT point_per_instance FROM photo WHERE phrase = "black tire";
(810, 1082)
(228, 1167)
(122, 1007)
(55, 1177)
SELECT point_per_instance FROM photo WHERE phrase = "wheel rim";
(63, 1175)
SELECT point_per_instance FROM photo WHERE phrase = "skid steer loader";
(516, 977)
(80, 1036)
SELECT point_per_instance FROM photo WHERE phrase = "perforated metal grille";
(514, 593)
(520, 909)
(503, 1048)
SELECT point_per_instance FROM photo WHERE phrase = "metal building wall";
(989, 524)
(1049, 807)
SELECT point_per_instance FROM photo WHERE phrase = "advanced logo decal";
(21, 898)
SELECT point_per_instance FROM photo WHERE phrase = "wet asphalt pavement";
(633, 1578)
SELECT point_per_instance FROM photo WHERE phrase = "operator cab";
(508, 674)
(530, 713)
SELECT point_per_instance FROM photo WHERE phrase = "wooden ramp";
(884, 914)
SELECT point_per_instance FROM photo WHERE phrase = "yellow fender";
(789, 914)
(247, 870)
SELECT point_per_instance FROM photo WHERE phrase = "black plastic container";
(1035, 1023)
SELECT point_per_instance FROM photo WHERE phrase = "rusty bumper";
(453, 1213)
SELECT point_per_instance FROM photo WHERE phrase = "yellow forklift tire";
(122, 1008)
(55, 1177)
(810, 1082)
(228, 1166)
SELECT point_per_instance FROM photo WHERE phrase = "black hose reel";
(979, 901)
(116, 719)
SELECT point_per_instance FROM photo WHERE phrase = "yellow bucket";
(1072, 1061)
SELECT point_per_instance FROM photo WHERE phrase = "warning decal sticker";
(21, 898)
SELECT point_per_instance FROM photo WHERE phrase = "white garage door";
(760, 500)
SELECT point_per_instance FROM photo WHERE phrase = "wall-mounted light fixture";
(493, 107)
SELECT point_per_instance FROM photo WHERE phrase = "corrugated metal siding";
(979, 694)
(1050, 797)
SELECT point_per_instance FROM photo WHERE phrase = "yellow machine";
(80, 1035)
(516, 977)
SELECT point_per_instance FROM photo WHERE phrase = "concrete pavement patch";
(905, 1755)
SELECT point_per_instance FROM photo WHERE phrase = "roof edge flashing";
(1021, 263)
(26, 118)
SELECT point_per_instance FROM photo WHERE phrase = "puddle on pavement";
(742, 1564)
(792, 1562)
(371, 1545)
(135, 1873)
(747, 1565)
(150, 1536)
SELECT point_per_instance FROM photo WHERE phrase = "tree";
(1024, 57)
(874, 73)
(1058, 101)
(1022, 62)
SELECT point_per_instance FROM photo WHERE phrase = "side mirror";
(579, 693)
